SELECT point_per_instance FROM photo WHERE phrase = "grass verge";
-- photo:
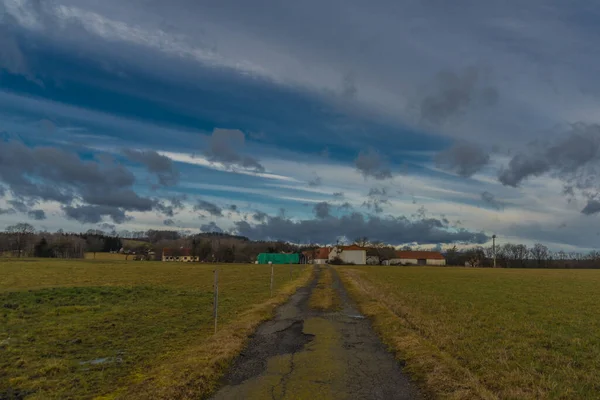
(324, 297)
(438, 374)
(194, 372)
(488, 333)
(79, 328)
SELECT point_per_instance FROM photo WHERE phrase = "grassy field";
(488, 333)
(85, 328)
(108, 257)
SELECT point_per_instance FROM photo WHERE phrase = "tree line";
(22, 240)
(512, 255)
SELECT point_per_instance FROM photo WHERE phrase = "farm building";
(418, 258)
(178, 255)
(349, 254)
(317, 256)
(281, 258)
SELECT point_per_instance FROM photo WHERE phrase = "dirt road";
(307, 354)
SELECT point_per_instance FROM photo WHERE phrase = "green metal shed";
(278, 258)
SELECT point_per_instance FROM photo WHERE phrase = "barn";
(418, 258)
(349, 254)
(317, 256)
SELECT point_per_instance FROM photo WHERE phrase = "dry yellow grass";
(488, 333)
(324, 296)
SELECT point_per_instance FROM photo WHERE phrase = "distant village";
(22, 240)
(346, 255)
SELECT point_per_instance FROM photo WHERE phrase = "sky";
(427, 123)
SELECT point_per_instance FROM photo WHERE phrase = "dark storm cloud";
(211, 208)
(19, 205)
(322, 210)
(88, 214)
(378, 192)
(574, 158)
(212, 227)
(157, 164)
(465, 159)
(48, 173)
(165, 209)
(38, 215)
(124, 198)
(592, 207)
(7, 211)
(260, 216)
(177, 201)
(376, 198)
(171, 205)
(455, 93)
(371, 164)
(338, 195)
(105, 226)
(523, 166)
(345, 206)
(394, 230)
(315, 182)
(233, 208)
(168, 222)
(226, 146)
(490, 199)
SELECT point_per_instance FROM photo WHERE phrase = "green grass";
(79, 329)
(109, 256)
(487, 332)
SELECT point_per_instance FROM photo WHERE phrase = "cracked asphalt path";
(306, 354)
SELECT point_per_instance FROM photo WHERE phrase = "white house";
(349, 254)
(418, 258)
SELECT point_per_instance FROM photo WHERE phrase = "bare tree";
(20, 235)
(95, 244)
(475, 257)
(362, 241)
(520, 254)
(540, 253)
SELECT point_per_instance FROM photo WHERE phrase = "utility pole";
(494, 248)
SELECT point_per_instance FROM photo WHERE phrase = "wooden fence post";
(216, 299)
(272, 266)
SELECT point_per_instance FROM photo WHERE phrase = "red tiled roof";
(322, 253)
(419, 255)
